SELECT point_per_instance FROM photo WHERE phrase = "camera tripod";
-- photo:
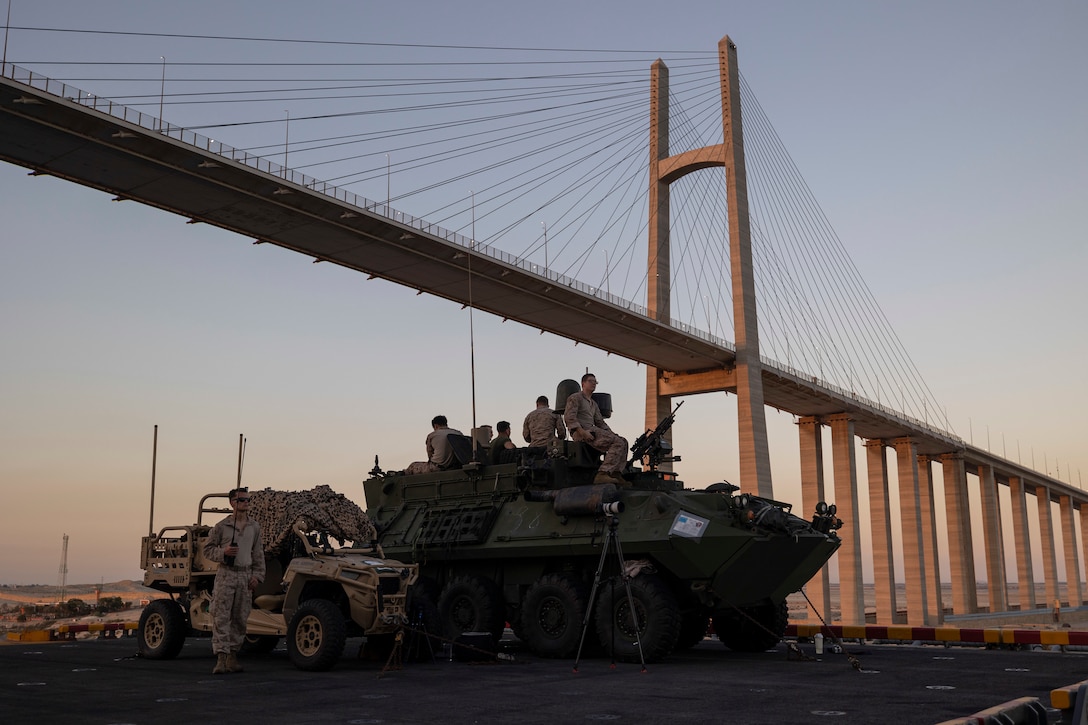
(611, 539)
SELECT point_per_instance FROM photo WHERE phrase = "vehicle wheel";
(693, 628)
(162, 630)
(552, 614)
(741, 634)
(316, 635)
(426, 588)
(472, 604)
(657, 613)
(259, 644)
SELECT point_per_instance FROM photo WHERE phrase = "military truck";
(315, 594)
(525, 542)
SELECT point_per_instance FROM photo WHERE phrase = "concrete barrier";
(1023, 711)
(1072, 701)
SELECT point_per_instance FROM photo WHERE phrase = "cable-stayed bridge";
(59, 130)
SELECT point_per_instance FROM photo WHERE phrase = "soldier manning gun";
(652, 448)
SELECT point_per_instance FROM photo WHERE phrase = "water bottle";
(819, 640)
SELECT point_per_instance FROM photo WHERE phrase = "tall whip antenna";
(471, 334)
(154, 465)
(241, 458)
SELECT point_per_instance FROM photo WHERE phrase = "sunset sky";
(945, 142)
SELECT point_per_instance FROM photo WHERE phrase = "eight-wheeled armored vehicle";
(313, 593)
(521, 543)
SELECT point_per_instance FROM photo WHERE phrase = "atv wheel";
(316, 635)
(162, 630)
(658, 617)
(259, 644)
(552, 614)
(741, 634)
(693, 628)
(472, 604)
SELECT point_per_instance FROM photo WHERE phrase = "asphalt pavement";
(103, 681)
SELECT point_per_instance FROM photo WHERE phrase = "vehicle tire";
(693, 627)
(316, 635)
(658, 617)
(162, 630)
(741, 634)
(427, 588)
(259, 644)
(472, 604)
(552, 614)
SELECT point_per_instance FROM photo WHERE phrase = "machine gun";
(651, 447)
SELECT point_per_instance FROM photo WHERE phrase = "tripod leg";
(593, 595)
(631, 604)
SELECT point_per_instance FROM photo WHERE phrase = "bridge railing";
(264, 165)
(891, 413)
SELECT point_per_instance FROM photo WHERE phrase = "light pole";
(387, 187)
(7, 26)
(286, 140)
(545, 225)
(162, 89)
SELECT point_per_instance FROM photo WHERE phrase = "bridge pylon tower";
(745, 377)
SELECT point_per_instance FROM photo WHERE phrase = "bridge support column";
(1046, 538)
(755, 456)
(1084, 531)
(929, 537)
(812, 492)
(851, 593)
(1025, 573)
(1072, 556)
(659, 265)
(880, 513)
(960, 541)
(910, 511)
(995, 548)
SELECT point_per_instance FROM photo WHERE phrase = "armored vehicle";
(526, 543)
(313, 593)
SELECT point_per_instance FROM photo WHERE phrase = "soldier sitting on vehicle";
(583, 418)
(502, 449)
(440, 455)
(543, 427)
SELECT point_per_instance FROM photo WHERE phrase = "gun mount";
(653, 447)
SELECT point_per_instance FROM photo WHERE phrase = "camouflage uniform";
(582, 412)
(232, 598)
(543, 427)
(439, 453)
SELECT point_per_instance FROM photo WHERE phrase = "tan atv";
(313, 593)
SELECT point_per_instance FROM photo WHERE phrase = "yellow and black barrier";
(108, 630)
(1004, 635)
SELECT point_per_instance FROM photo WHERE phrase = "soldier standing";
(543, 427)
(235, 544)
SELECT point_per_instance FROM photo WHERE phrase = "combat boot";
(221, 666)
(233, 665)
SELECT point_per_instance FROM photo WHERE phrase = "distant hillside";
(127, 590)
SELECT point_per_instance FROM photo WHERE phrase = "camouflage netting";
(324, 510)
